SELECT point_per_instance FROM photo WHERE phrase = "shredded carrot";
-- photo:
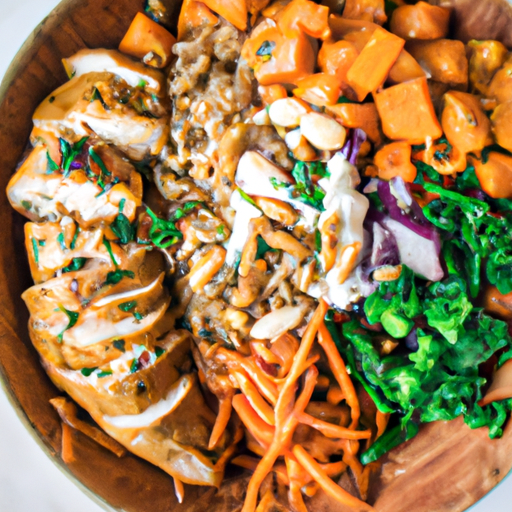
(285, 421)
(257, 402)
(328, 486)
(179, 490)
(333, 431)
(340, 373)
(335, 395)
(66, 453)
(295, 472)
(261, 431)
(234, 360)
(228, 453)
(221, 422)
(382, 420)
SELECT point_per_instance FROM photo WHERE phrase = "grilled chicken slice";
(132, 118)
(78, 318)
(40, 194)
(153, 411)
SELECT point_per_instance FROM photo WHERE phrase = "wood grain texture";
(131, 484)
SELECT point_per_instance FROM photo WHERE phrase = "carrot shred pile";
(272, 406)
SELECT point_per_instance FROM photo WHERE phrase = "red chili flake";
(144, 360)
(271, 369)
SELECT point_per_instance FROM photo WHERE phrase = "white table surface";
(29, 480)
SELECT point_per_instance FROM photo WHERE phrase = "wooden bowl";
(131, 484)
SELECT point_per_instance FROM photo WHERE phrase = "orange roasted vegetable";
(320, 89)
(395, 160)
(502, 125)
(149, 41)
(485, 59)
(420, 21)
(404, 69)
(495, 175)
(304, 16)
(372, 66)
(407, 113)
(271, 93)
(501, 387)
(277, 59)
(234, 11)
(194, 14)
(368, 10)
(356, 115)
(464, 122)
(357, 32)
(336, 58)
(445, 60)
(500, 87)
(443, 157)
(497, 304)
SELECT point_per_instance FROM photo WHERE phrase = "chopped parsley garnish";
(104, 373)
(134, 365)
(123, 229)
(62, 243)
(247, 198)
(41, 243)
(159, 351)
(138, 316)
(52, 165)
(96, 95)
(73, 319)
(119, 345)
(205, 333)
(103, 169)
(163, 233)
(70, 152)
(127, 306)
(304, 189)
(36, 251)
(220, 230)
(76, 264)
(115, 276)
(108, 246)
(86, 372)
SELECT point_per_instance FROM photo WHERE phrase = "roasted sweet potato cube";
(372, 66)
(444, 59)
(420, 21)
(407, 113)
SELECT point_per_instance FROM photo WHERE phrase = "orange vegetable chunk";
(394, 160)
(404, 69)
(355, 115)
(320, 89)
(502, 125)
(290, 58)
(495, 175)
(234, 11)
(444, 158)
(372, 66)
(420, 21)
(147, 40)
(271, 93)
(485, 59)
(500, 87)
(407, 113)
(501, 387)
(336, 58)
(194, 14)
(368, 10)
(464, 122)
(445, 60)
(304, 16)
(497, 304)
